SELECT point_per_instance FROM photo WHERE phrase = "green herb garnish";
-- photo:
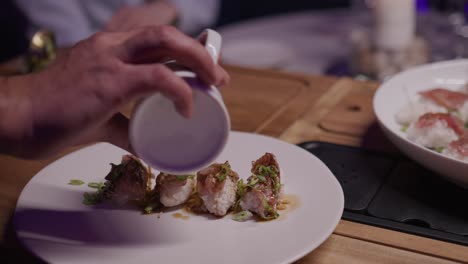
(152, 203)
(252, 181)
(242, 216)
(240, 188)
(150, 208)
(96, 185)
(439, 149)
(266, 170)
(224, 171)
(269, 171)
(265, 204)
(76, 182)
(183, 177)
(277, 185)
(261, 178)
(271, 213)
(404, 128)
(92, 198)
(240, 193)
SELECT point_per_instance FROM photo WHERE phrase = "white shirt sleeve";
(65, 18)
(74, 20)
(196, 15)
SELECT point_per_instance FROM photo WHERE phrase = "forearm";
(15, 113)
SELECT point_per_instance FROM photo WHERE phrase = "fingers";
(152, 44)
(225, 78)
(115, 131)
(147, 79)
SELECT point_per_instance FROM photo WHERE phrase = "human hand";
(76, 99)
(150, 14)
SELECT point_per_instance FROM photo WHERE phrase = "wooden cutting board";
(268, 102)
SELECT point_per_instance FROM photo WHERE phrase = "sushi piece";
(128, 181)
(217, 188)
(463, 113)
(262, 191)
(413, 110)
(458, 149)
(174, 190)
(451, 100)
(435, 130)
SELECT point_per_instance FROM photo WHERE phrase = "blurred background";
(335, 37)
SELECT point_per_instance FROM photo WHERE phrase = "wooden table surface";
(294, 108)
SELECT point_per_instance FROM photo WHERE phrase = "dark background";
(13, 24)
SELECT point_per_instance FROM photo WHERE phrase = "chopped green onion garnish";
(261, 178)
(224, 171)
(240, 188)
(91, 198)
(271, 213)
(252, 181)
(183, 177)
(242, 216)
(277, 185)
(267, 170)
(439, 149)
(150, 207)
(76, 182)
(265, 204)
(96, 185)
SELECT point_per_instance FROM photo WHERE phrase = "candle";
(394, 24)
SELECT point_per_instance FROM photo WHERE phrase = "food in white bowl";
(436, 120)
(458, 149)
(435, 130)
(404, 98)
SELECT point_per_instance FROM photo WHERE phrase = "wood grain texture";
(268, 102)
(401, 240)
(305, 127)
(353, 114)
(341, 249)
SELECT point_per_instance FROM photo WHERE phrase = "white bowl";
(393, 94)
(173, 144)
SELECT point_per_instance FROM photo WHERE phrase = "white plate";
(391, 97)
(52, 222)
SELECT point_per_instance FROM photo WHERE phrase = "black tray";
(395, 193)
